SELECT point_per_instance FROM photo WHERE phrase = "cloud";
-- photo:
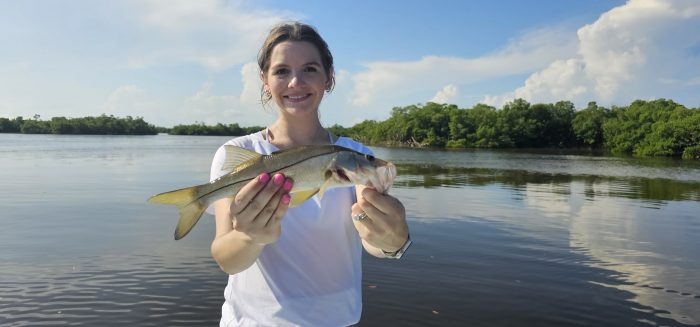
(126, 100)
(563, 79)
(212, 33)
(245, 109)
(204, 104)
(448, 94)
(250, 95)
(342, 77)
(636, 51)
(136, 57)
(532, 51)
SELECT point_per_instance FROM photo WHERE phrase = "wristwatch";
(398, 253)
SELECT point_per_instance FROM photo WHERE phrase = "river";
(501, 238)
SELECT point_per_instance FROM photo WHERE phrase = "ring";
(360, 216)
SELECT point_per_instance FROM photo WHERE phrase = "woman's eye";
(310, 69)
(281, 71)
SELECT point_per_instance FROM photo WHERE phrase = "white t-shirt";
(312, 275)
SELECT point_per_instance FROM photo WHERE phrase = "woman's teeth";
(297, 97)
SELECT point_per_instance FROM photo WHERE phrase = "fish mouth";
(380, 178)
(342, 176)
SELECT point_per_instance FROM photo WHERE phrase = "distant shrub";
(457, 143)
(692, 152)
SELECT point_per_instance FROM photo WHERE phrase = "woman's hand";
(385, 227)
(249, 221)
(257, 210)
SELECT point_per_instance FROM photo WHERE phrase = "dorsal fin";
(235, 156)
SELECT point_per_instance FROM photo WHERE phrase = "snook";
(314, 169)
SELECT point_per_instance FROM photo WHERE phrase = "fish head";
(349, 167)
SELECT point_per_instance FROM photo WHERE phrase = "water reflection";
(430, 176)
(654, 254)
(476, 273)
(644, 230)
(549, 162)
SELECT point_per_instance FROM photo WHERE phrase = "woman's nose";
(296, 80)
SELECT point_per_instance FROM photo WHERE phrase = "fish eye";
(369, 157)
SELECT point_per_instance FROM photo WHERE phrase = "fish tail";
(189, 216)
(190, 206)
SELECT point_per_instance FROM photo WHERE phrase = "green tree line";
(218, 129)
(645, 128)
(101, 125)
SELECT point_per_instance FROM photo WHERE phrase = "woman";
(298, 266)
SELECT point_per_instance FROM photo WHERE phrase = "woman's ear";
(265, 86)
(329, 80)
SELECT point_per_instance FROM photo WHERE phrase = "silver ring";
(360, 216)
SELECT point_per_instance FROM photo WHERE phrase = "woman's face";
(296, 78)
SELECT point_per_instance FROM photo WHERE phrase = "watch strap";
(399, 253)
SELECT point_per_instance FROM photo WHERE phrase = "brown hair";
(294, 31)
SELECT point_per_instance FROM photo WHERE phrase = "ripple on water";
(153, 293)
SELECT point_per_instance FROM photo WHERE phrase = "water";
(501, 238)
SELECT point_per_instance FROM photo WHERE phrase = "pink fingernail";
(286, 199)
(288, 185)
(278, 179)
(264, 178)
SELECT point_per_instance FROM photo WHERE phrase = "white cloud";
(631, 52)
(126, 100)
(448, 94)
(213, 33)
(342, 77)
(399, 80)
(205, 106)
(136, 57)
(250, 73)
(563, 79)
(245, 109)
(336, 108)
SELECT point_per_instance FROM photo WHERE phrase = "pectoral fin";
(301, 196)
(325, 186)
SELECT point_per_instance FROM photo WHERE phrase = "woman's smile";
(297, 98)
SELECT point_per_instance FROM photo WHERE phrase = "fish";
(314, 169)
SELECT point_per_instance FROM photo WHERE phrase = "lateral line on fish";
(279, 169)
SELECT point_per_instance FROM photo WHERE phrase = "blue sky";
(176, 61)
